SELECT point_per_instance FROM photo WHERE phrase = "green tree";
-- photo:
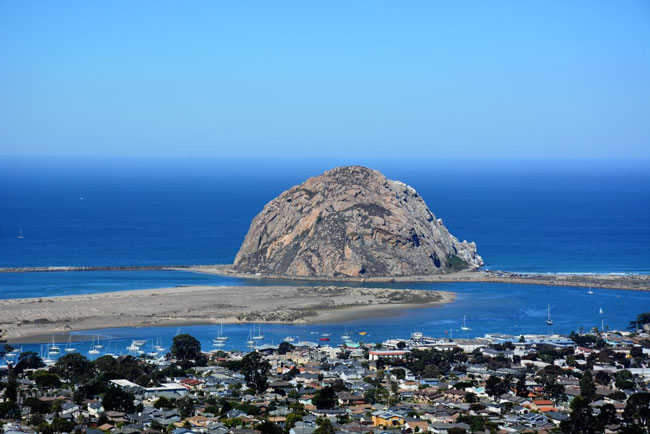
(46, 380)
(284, 348)
(494, 386)
(256, 371)
(75, 368)
(581, 419)
(267, 427)
(324, 398)
(637, 411)
(641, 320)
(163, 403)
(186, 347)
(9, 410)
(185, 407)
(587, 387)
(607, 415)
(324, 426)
(28, 360)
(117, 399)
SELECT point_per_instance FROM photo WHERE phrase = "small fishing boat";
(326, 334)
(288, 339)
(549, 321)
(324, 339)
(363, 333)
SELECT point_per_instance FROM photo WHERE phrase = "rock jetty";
(351, 222)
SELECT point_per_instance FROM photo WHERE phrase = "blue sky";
(336, 79)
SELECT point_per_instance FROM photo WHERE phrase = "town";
(587, 382)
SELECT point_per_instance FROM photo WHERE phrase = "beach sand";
(34, 319)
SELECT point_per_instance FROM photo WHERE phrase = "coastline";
(35, 320)
(633, 282)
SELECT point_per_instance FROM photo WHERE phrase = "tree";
(75, 368)
(637, 411)
(324, 426)
(117, 399)
(28, 360)
(256, 371)
(641, 320)
(186, 347)
(9, 410)
(163, 403)
(185, 407)
(267, 427)
(522, 390)
(324, 398)
(401, 345)
(587, 387)
(284, 348)
(607, 415)
(494, 386)
(581, 420)
(46, 380)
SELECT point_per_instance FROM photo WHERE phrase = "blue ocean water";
(524, 216)
(488, 308)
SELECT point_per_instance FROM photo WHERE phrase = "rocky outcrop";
(351, 222)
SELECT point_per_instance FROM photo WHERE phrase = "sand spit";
(635, 282)
(28, 319)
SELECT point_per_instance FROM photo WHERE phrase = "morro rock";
(351, 222)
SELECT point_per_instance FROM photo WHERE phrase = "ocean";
(545, 217)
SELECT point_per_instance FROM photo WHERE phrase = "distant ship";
(549, 321)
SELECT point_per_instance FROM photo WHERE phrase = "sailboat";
(20, 236)
(346, 336)
(549, 321)
(591, 291)
(220, 337)
(259, 335)
(158, 345)
(68, 347)
(53, 349)
(464, 326)
(250, 342)
(93, 348)
(601, 311)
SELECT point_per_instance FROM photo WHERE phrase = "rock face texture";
(351, 222)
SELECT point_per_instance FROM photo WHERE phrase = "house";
(387, 418)
(542, 405)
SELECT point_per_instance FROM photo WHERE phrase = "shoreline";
(634, 282)
(36, 320)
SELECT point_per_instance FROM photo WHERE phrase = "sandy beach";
(34, 319)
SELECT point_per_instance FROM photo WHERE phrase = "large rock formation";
(351, 221)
